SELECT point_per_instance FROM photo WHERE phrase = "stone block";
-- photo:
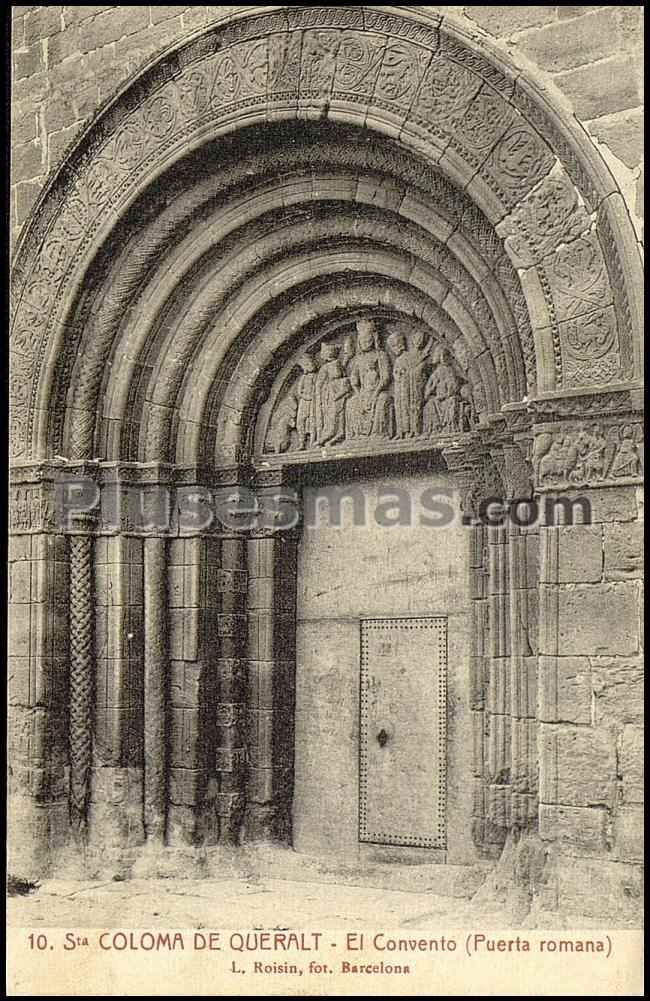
(618, 691)
(26, 195)
(112, 25)
(630, 764)
(572, 554)
(565, 11)
(598, 620)
(578, 766)
(24, 123)
(26, 162)
(28, 61)
(58, 144)
(20, 548)
(504, 20)
(623, 134)
(582, 829)
(78, 13)
(628, 833)
(565, 692)
(58, 112)
(164, 13)
(17, 33)
(41, 22)
(20, 577)
(599, 888)
(566, 45)
(601, 88)
(62, 45)
(623, 551)
(613, 504)
(19, 630)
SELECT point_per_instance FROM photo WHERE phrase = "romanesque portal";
(312, 246)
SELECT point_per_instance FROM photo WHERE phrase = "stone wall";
(68, 61)
(591, 702)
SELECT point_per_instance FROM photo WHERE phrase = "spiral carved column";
(81, 677)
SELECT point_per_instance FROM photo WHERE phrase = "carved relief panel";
(370, 382)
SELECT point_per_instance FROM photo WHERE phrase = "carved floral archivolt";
(329, 59)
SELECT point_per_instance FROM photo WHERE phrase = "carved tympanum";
(374, 383)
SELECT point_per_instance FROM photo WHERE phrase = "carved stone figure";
(409, 379)
(369, 409)
(354, 389)
(332, 390)
(441, 396)
(626, 461)
(283, 423)
(466, 408)
(305, 395)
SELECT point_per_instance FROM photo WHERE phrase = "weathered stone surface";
(631, 764)
(563, 46)
(602, 88)
(598, 619)
(75, 14)
(28, 61)
(578, 766)
(619, 887)
(26, 162)
(623, 134)
(506, 20)
(109, 26)
(580, 554)
(24, 124)
(618, 691)
(628, 833)
(565, 694)
(565, 11)
(612, 504)
(584, 830)
(41, 22)
(161, 13)
(623, 551)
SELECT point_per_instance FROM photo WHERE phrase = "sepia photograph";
(325, 556)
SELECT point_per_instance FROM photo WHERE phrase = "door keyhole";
(382, 738)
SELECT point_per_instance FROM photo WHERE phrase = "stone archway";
(267, 182)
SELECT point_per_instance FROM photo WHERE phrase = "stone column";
(478, 590)
(191, 690)
(117, 780)
(498, 698)
(38, 651)
(230, 742)
(156, 685)
(272, 581)
(474, 473)
(523, 544)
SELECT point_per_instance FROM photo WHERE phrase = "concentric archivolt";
(365, 161)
